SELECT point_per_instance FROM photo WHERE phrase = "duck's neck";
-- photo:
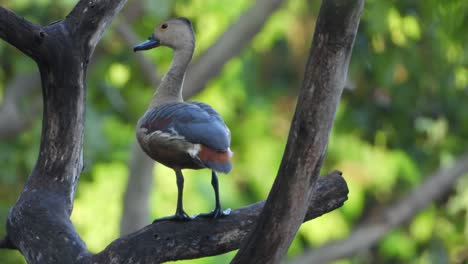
(170, 88)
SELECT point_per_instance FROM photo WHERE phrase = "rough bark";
(22, 104)
(436, 185)
(323, 84)
(20, 33)
(61, 51)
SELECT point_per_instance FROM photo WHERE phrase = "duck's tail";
(219, 161)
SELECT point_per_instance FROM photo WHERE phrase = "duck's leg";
(217, 212)
(180, 214)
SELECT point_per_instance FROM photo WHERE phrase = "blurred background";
(403, 114)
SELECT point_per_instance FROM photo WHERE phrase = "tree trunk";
(62, 51)
(324, 79)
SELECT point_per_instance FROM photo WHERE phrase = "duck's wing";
(216, 116)
(191, 128)
(196, 123)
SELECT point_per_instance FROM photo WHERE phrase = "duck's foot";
(216, 213)
(178, 217)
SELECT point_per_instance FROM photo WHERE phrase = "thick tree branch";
(366, 235)
(62, 54)
(5, 243)
(19, 32)
(21, 104)
(165, 241)
(88, 21)
(323, 84)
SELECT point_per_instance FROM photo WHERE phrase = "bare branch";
(434, 187)
(19, 32)
(89, 19)
(322, 87)
(165, 241)
(230, 44)
(5, 243)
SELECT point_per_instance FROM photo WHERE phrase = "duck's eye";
(164, 26)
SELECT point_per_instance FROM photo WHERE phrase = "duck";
(178, 134)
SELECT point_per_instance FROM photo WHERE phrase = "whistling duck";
(178, 134)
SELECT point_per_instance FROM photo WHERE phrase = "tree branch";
(366, 235)
(323, 84)
(62, 55)
(89, 19)
(19, 32)
(5, 243)
(165, 241)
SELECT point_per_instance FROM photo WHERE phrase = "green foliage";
(94, 216)
(404, 114)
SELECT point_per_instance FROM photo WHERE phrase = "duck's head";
(176, 33)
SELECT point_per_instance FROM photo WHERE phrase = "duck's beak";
(152, 42)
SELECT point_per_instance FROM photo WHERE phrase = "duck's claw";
(216, 213)
(179, 216)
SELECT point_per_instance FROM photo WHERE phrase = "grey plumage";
(197, 122)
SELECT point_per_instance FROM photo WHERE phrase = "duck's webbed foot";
(178, 217)
(216, 213)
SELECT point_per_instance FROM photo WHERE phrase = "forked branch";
(20, 33)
